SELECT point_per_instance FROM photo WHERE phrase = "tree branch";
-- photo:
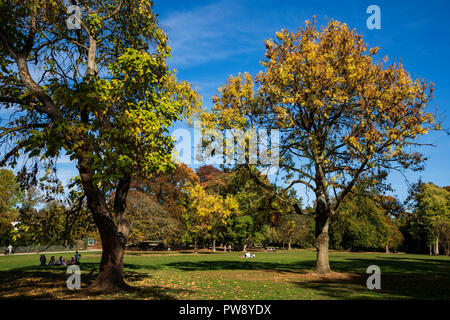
(5, 131)
(115, 11)
(11, 153)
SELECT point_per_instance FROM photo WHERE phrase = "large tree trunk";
(387, 248)
(322, 238)
(111, 265)
(214, 245)
(289, 244)
(113, 228)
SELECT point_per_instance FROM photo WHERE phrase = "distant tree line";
(214, 207)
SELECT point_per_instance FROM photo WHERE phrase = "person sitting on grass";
(246, 255)
(253, 255)
(52, 261)
(61, 262)
(71, 262)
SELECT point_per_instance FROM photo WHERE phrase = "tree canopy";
(343, 114)
(430, 214)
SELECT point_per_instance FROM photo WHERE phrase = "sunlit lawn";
(281, 275)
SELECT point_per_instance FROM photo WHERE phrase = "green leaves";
(119, 118)
(362, 224)
(432, 204)
(94, 23)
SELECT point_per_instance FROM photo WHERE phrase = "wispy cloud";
(209, 33)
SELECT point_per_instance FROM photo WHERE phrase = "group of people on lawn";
(61, 261)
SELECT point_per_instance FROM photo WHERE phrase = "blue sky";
(213, 39)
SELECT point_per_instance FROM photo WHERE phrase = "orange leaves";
(282, 35)
(374, 50)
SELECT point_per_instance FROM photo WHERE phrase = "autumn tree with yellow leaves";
(205, 211)
(343, 114)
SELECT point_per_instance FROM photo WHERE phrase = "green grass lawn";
(205, 276)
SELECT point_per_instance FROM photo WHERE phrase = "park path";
(47, 252)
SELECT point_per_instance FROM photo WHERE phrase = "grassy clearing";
(205, 276)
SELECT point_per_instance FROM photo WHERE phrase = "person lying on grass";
(248, 255)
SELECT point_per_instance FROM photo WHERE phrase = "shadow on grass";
(347, 264)
(394, 264)
(244, 264)
(401, 278)
(393, 286)
(50, 283)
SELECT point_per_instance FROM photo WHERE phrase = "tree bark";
(322, 219)
(387, 248)
(436, 248)
(111, 265)
(214, 245)
(113, 234)
(289, 244)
